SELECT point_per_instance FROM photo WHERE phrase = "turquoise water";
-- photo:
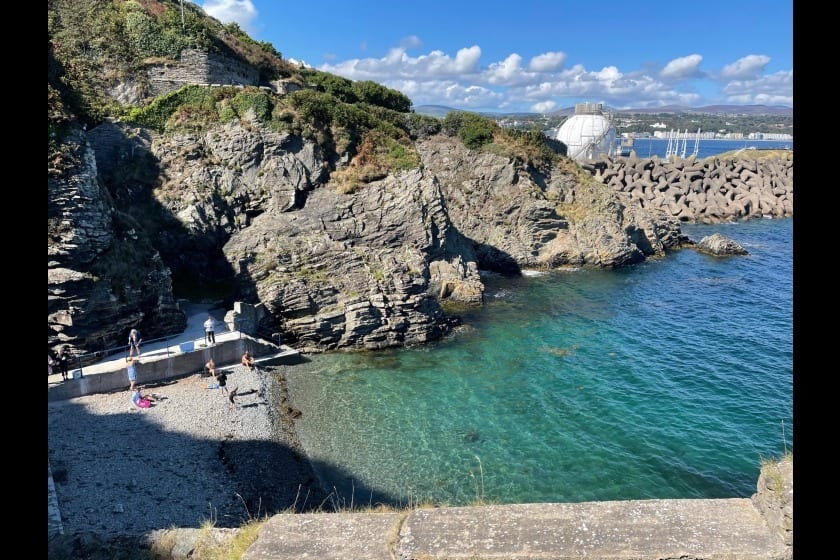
(669, 379)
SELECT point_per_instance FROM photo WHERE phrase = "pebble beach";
(187, 461)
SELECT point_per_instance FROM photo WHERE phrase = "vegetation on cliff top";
(96, 46)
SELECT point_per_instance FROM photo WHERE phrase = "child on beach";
(221, 379)
(131, 369)
(140, 400)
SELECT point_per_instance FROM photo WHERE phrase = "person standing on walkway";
(209, 330)
(134, 341)
(63, 360)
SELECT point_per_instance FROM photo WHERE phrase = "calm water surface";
(669, 379)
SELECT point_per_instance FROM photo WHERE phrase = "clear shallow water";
(670, 379)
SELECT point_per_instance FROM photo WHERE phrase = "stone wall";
(198, 67)
(710, 190)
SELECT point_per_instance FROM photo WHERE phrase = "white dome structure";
(587, 134)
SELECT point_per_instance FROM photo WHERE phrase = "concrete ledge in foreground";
(729, 529)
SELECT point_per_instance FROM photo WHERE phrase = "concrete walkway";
(629, 530)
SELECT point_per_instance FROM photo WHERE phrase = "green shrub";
(376, 94)
(420, 126)
(338, 87)
(257, 100)
(156, 114)
(473, 129)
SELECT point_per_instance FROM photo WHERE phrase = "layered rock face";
(103, 277)
(520, 218)
(254, 210)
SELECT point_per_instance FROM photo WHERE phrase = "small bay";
(668, 379)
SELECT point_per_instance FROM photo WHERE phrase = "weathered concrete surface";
(322, 536)
(729, 529)
(638, 530)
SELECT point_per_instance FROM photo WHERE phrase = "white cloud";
(460, 81)
(745, 68)
(543, 107)
(411, 42)
(683, 67)
(242, 12)
(547, 62)
(775, 89)
(447, 92)
(397, 64)
(505, 71)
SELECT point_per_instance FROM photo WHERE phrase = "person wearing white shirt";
(210, 330)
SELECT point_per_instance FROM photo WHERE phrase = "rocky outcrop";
(370, 269)
(774, 498)
(520, 218)
(719, 245)
(103, 276)
(252, 211)
(711, 190)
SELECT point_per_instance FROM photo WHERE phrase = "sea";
(649, 147)
(668, 379)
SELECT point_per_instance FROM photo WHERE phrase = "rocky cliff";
(104, 276)
(253, 212)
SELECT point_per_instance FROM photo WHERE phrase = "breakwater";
(750, 184)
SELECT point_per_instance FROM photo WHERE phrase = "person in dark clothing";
(221, 379)
(63, 361)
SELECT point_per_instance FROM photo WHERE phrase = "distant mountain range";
(440, 111)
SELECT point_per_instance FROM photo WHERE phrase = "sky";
(538, 56)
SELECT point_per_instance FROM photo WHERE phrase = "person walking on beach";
(209, 330)
(231, 396)
(134, 341)
(132, 373)
(221, 379)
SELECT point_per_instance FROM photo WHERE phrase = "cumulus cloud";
(543, 106)
(242, 12)
(775, 89)
(745, 68)
(397, 64)
(681, 68)
(447, 92)
(544, 82)
(547, 62)
(505, 71)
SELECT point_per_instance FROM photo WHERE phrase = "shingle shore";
(120, 470)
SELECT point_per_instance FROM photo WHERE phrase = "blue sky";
(538, 56)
